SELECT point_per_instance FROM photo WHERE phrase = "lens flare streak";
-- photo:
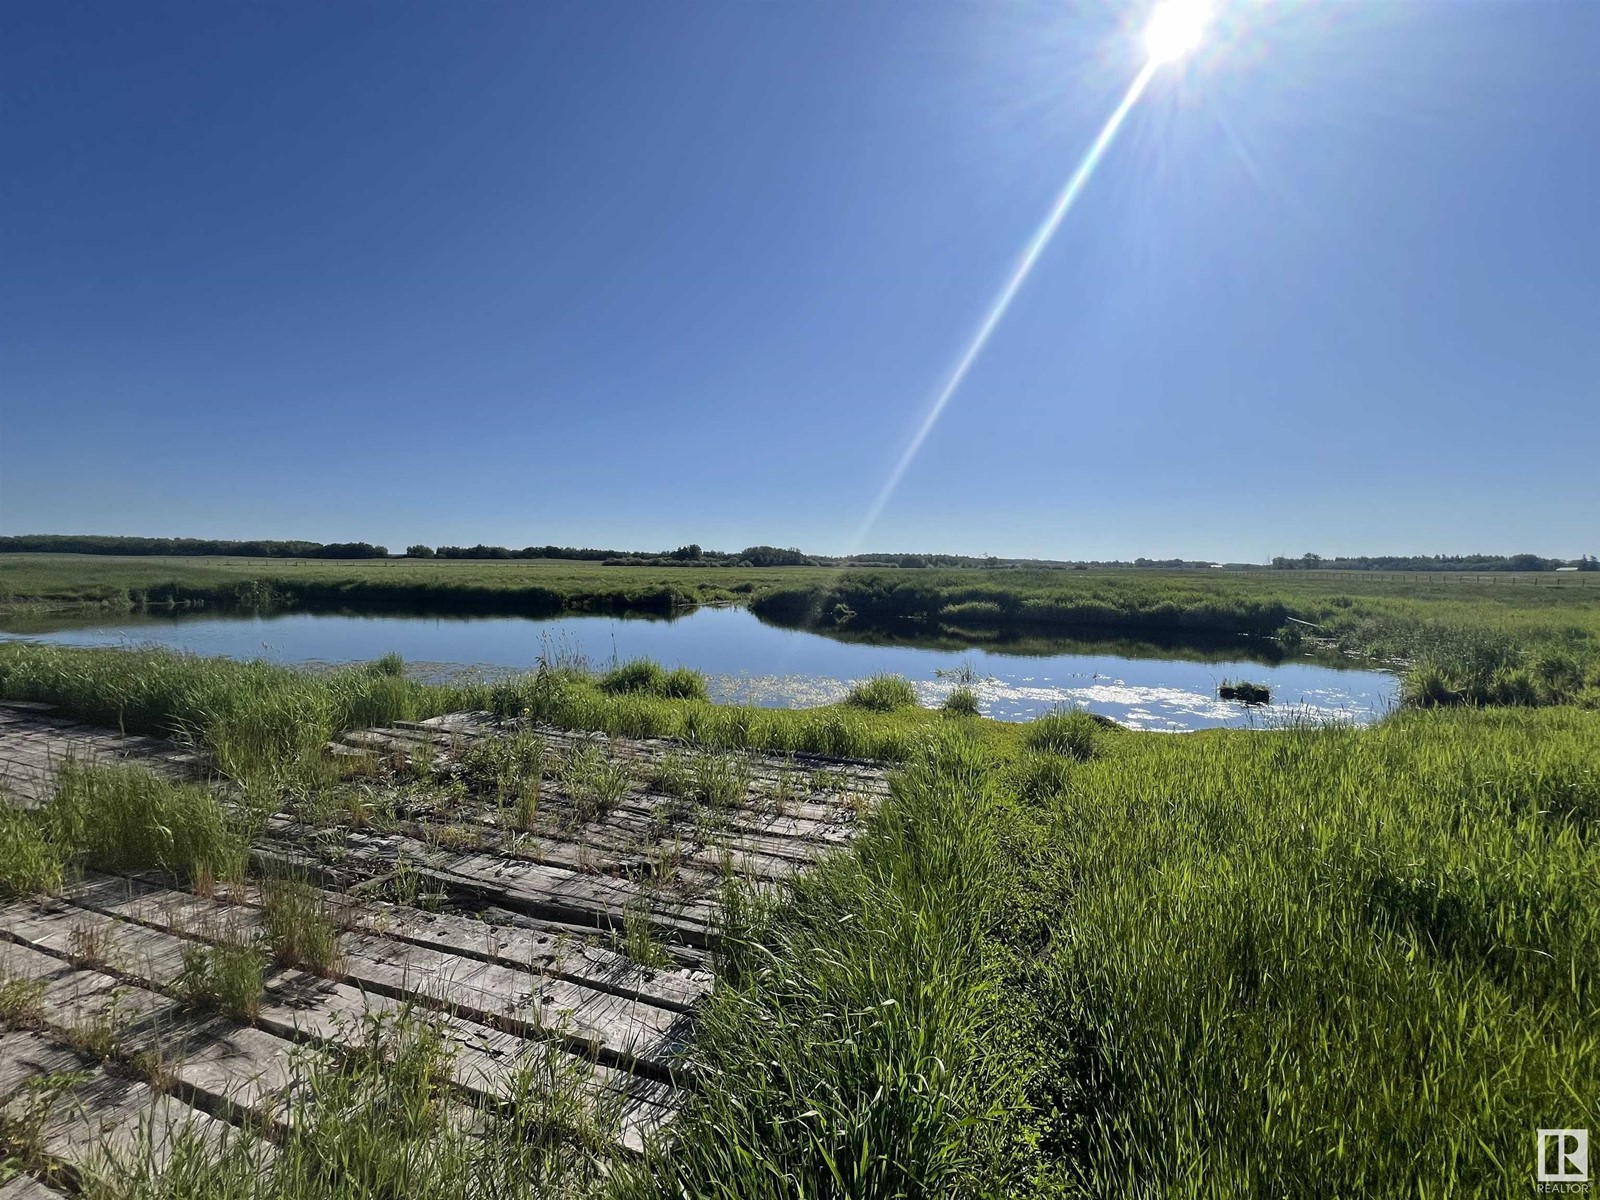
(997, 310)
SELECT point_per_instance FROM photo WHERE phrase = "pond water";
(748, 660)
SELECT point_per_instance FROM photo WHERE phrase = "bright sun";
(1175, 28)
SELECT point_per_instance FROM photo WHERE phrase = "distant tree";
(419, 551)
(1587, 563)
(350, 550)
(690, 553)
(1310, 561)
(771, 556)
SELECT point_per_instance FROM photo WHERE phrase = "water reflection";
(1016, 676)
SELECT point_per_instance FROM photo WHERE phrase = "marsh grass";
(1320, 961)
(120, 818)
(1072, 732)
(301, 929)
(961, 702)
(882, 693)
(250, 719)
(1375, 932)
(650, 678)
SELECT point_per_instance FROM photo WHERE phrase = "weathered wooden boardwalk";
(35, 741)
(578, 932)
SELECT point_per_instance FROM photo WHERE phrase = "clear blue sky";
(638, 274)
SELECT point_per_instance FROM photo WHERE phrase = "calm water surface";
(748, 660)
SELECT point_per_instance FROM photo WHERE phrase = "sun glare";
(1175, 29)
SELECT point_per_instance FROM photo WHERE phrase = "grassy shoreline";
(1059, 957)
(1462, 641)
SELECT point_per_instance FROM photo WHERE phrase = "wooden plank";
(590, 901)
(298, 1006)
(107, 1119)
(28, 1057)
(619, 1029)
(552, 954)
(226, 1066)
(484, 1062)
(85, 1001)
(572, 896)
(232, 1069)
(26, 1187)
(549, 950)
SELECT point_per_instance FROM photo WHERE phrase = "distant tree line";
(1433, 562)
(751, 556)
(63, 543)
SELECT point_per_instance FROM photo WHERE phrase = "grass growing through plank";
(30, 861)
(226, 977)
(381, 1119)
(593, 780)
(120, 818)
(127, 818)
(299, 927)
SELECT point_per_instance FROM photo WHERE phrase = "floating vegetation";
(1245, 692)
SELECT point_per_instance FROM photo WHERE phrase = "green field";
(1061, 961)
(535, 586)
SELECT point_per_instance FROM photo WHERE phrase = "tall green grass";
(573, 700)
(120, 818)
(848, 1050)
(1313, 962)
(882, 693)
(250, 718)
(1328, 961)
(643, 675)
(1072, 732)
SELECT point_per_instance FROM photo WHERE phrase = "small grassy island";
(1244, 692)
